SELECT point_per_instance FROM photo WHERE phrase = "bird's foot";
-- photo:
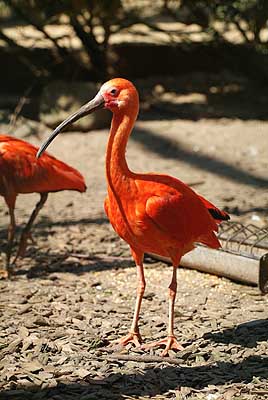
(170, 343)
(131, 337)
(7, 270)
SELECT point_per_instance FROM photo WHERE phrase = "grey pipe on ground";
(218, 262)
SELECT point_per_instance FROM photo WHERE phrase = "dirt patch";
(75, 290)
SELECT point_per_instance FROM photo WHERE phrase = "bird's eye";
(113, 92)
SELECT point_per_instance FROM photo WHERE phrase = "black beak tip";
(40, 152)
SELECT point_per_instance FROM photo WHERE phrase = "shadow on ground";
(62, 263)
(44, 223)
(242, 334)
(44, 262)
(169, 149)
(152, 381)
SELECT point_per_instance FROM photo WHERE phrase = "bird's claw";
(169, 342)
(131, 337)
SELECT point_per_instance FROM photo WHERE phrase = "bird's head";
(118, 95)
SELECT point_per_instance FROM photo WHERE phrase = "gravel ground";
(73, 293)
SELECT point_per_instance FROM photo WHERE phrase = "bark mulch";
(58, 324)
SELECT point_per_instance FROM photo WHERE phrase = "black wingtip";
(218, 214)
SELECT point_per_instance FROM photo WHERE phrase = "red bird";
(21, 172)
(153, 213)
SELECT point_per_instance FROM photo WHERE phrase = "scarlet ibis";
(21, 172)
(153, 213)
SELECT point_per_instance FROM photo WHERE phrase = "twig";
(195, 183)
(143, 358)
(81, 256)
(112, 355)
(18, 108)
(241, 30)
(148, 359)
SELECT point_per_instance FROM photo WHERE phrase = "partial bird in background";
(153, 213)
(21, 173)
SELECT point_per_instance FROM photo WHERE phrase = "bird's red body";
(152, 212)
(166, 217)
(21, 172)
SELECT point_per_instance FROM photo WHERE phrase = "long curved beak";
(93, 105)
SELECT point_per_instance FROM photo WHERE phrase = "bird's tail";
(210, 239)
(62, 176)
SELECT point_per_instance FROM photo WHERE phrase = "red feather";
(25, 174)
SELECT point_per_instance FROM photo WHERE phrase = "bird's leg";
(134, 335)
(10, 239)
(170, 342)
(26, 233)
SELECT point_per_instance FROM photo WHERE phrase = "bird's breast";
(122, 217)
(132, 224)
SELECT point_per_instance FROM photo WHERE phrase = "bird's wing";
(47, 174)
(216, 213)
(183, 217)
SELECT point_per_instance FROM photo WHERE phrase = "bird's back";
(163, 214)
(20, 168)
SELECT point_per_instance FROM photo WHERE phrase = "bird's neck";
(116, 164)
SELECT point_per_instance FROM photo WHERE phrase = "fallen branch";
(143, 358)
(147, 359)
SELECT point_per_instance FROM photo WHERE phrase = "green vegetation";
(93, 22)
